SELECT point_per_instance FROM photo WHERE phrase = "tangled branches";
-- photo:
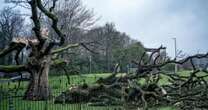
(186, 91)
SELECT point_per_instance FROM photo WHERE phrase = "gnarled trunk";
(38, 88)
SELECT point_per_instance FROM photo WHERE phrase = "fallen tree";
(184, 91)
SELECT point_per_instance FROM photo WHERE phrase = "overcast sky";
(156, 22)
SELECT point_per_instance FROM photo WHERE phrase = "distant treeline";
(106, 45)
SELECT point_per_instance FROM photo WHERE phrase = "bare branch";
(153, 52)
(65, 48)
(53, 6)
(12, 47)
(36, 21)
(199, 56)
(84, 45)
(54, 20)
(13, 68)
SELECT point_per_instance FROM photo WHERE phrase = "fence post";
(46, 102)
(1, 93)
(1, 97)
(10, 101)
(46, 105)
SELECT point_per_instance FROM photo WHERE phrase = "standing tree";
(42, 49)
(114, 44)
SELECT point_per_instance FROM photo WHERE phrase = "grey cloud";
(155, 22)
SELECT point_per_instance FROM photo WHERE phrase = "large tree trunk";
(38, 88)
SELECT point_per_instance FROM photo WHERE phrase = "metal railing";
(11, 100)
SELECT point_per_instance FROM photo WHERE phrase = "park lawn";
(187, 73)
(60, 84)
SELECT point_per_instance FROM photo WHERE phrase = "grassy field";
(59, 84)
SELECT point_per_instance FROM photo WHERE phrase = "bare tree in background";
(11, 25)
(74, 18)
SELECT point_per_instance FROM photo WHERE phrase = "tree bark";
(38, 88)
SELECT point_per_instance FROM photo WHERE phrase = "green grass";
(59, 84)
